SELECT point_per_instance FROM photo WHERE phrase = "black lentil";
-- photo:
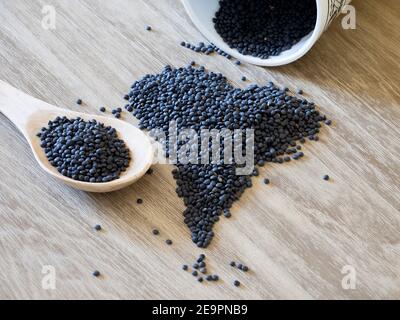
(97, 227)
(185, 267)
(195, 273)
(227, 213)
(168, 242)
(139, 201)
(102, 109)
(244, 78)
(150, 171)
(233, 264)
(264, 28)
(86, 151)
(326, 177)
(96, 273)
(197, 100)
(206, 49)
(328, 122)
(79, 102)
(266, 181)
(156, 232)
(148, 28)
(236, 283)
(203, 270)
(200, 279)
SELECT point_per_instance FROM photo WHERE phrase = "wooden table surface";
(296, 234)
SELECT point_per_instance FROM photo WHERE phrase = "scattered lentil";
(168, 242)
(97, 227)
(96, 273)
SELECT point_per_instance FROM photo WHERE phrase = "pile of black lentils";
(197, 99)
(264, 28)
(86, 151)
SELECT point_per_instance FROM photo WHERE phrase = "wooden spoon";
(30, 114)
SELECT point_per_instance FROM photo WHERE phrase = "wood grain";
(296, 234)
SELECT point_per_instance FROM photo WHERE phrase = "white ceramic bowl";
(203, 11)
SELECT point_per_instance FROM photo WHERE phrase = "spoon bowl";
(30, 115)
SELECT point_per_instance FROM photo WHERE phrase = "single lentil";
(96, 273)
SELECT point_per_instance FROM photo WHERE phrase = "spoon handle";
(18, 107)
